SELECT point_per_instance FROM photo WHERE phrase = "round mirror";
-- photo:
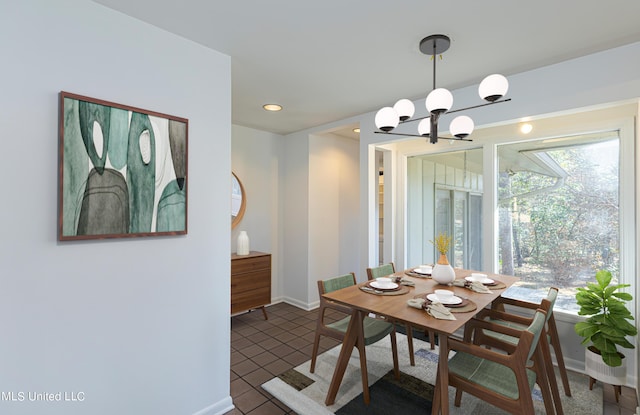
(238, 200)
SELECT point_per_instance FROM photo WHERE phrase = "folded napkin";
(407, 282)
(476, 286)
(439, 311)
(479, 287)
(416, 303)
(370, 290)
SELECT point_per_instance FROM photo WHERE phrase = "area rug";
(305, 392)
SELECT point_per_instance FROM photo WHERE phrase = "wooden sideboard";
(250, 282)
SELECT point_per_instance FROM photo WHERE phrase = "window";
(558, 203)
(445, 195)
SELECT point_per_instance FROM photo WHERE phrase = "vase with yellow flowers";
(443, 272)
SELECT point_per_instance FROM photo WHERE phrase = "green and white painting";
(123, 171)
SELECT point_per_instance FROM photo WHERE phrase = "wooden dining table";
(395, 308)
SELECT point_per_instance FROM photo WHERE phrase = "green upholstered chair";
(552, 331)
(374, 329)
(502, 378)
(384, 271)
(497, 315)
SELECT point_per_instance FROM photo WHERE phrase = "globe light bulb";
(405, 109)
(461, 126)
(387, 119)
(439, 101)
(493, 87)
(424, 127)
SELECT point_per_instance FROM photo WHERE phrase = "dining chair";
(504, 378)
(384, 271)
(520, 322)
(551, 328)
(374, 329)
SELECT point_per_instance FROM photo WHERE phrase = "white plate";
(376, 284)
(451, 301)
(484, 281)
(417, 271)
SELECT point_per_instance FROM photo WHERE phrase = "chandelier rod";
(433, 56)
(421, 136)
(458, 110)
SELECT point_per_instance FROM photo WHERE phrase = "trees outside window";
(559, 213)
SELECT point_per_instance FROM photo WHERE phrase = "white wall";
(320, 206)
(134, 324)
(333, 209)
(256, 158)
(295, 220)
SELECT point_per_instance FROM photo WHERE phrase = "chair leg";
(458, 398)
(394, 351)
(550, 373)
(555, 343)
(545, 380)
(412, 359)
(432, 339)
(314, 353)
(363, 369)
(435, 407)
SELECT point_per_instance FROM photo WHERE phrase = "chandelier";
(439, 101)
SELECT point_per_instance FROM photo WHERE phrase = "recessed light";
(356, 130)
(272, 107)
(526, 128)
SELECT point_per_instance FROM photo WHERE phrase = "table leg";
(443, 372)
(354, 331)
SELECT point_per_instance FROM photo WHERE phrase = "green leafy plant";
(608, 325)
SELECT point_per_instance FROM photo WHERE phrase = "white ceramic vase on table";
(443, 272)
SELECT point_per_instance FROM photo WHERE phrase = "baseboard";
(218, 408)
(300, 304)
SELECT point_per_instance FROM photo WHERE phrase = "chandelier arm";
(479, 106)
(422, 136)
(458, 110)
(414, 119)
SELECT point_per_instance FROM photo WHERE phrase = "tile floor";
(262, 349)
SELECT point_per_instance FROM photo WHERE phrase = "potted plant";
(606, 329)
(443, 272)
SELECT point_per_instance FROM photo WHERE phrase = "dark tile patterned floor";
(262, 349)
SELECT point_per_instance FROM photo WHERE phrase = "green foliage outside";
(560, 230)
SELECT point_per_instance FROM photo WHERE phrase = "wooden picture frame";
(122, 171)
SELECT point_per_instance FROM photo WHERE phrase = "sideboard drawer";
(250, 282)
(252, 264)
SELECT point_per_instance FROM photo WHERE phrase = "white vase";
(443, 272)
(595, 368)
(243, 244)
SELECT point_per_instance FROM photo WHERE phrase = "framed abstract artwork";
(122, 171)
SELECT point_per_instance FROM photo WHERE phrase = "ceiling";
(329, 60)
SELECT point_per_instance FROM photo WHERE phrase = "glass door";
(445, 196)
